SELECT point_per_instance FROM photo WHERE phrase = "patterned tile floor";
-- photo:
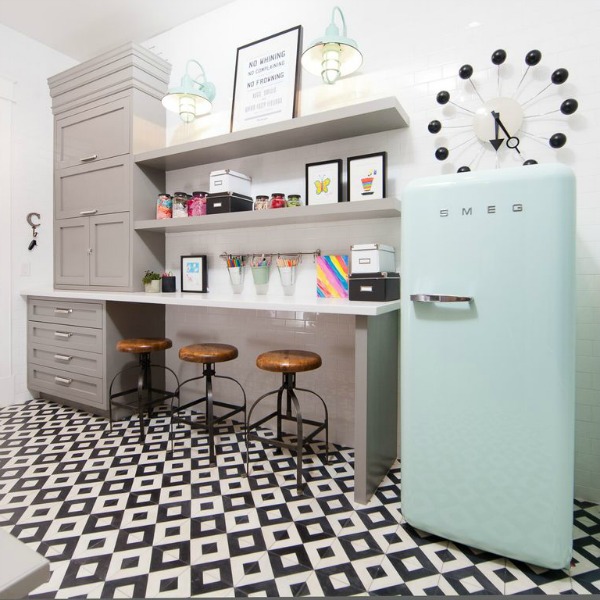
(116, 522)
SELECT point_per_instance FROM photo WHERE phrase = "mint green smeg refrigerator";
(488, 360)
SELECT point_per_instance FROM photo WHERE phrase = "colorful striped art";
(332, 276)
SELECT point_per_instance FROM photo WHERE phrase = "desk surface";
(316, 305)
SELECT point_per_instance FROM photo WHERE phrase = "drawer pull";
(62, 380)
(86, 213)
(63, 311)
(63, 334)
(89, 158)
(62, 357)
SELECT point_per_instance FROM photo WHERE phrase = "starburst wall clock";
(498, 124)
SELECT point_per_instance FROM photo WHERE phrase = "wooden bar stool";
(288, 363)
(208, 355)
(144, 391)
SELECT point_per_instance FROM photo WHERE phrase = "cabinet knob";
(62, 357)
(63, 380)
(63, 334)
(63, 311)
(87, 213)
(89, 158)
(89, 250)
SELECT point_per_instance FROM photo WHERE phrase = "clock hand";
(513, 141)
(497, 142)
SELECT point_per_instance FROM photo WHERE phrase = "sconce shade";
(333, 55)
(193, 98)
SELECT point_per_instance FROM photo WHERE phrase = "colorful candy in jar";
(180, 202)
(277, 201)
(294, 200)
(261, 202)
(197, 204)
(164, 206)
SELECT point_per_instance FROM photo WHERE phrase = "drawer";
(94, 189)
(74, 361)
(86, 314)
(70, 386)
(65, 336)
(92, 135)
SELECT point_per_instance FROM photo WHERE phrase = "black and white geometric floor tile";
(118, 521)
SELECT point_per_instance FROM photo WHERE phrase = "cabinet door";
(92, 135)
(100, 188)
(110, 256)
(71, 251)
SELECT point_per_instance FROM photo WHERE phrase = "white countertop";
(316, 305)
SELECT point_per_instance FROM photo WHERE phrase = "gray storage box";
(374, 287)
(372, 258)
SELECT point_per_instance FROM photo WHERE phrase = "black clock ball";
(558, 140)
(569, 106)
(443, 97)
(442, 153)
(435, 126)
(533, 57)
(559, 76)
(498, 57)
(465, 72)
(464, 169)
(530, 162)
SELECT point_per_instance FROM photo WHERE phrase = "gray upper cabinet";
(106, 109)
(93, 135)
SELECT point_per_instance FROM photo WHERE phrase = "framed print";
(266, 80)
(193, 274)
(366, 176)
(324, 182)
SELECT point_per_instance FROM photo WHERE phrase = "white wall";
(414, 50)
(27, 66)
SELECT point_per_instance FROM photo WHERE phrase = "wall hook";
(30, 217)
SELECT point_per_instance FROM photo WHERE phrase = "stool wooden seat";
(208, 354)
(146, 395)
(288, 363)
(141, 345)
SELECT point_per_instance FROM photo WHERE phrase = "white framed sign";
(266, 80)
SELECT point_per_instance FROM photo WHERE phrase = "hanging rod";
(226, 255)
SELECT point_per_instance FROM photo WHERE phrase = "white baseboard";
(7, 385)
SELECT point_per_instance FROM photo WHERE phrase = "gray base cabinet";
(71, 350)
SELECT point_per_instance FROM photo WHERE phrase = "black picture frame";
(367, 176)
(194, 273)
(323, 182)
(267, 80)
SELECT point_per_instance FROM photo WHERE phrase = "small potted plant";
(151, 281)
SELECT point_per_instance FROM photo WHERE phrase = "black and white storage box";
(230, 182)
(224, 203)
(372, 258)
(376, 287)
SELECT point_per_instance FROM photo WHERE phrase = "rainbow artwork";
(332, 276)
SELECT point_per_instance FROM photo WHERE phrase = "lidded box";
(374, 287)
(230, 182)
(372, 258)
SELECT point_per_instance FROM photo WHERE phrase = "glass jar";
(294, 200)
(164, 206)
(277, 201)
(261, 202)
(180, 202)
(197, 204)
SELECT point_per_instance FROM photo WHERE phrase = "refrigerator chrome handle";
(439, 298)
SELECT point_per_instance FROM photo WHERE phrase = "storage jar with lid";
(294, 200)
(277, 201)
(197, 204)
(261, 202)
(180, 202)
(164, 206)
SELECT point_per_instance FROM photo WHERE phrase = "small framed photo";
(366, 176)
(193, 274)
(266, 84)
(324, 182)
